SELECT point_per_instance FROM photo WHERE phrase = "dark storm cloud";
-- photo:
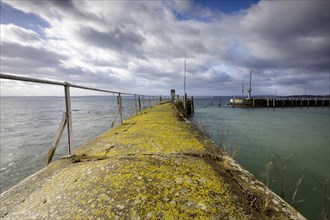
(65, 4)
(27, 60)
(210, 77)
(293, 34)
(37, 57)
(79, 76)
(291, 19)
(149, 72)
(121, 40)
(19, 66)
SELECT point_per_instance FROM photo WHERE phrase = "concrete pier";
(156, 165)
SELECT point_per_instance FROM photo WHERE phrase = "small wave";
(18, 146)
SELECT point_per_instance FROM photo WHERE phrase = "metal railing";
(139, 104)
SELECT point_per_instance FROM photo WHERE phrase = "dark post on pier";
(173, 95)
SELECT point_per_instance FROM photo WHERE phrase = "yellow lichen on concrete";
(162, 187)
(154, 166)
(155, 130)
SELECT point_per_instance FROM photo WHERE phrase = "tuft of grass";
(325, 195)
(205, 129)
(296, 190)
(225, 146)
(277, 167)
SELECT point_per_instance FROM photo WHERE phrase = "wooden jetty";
(283, 102)
(155, 165)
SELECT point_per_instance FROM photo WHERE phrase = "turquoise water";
(266, 140)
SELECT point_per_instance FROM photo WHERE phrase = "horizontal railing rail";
(139, 104)
(44, 81)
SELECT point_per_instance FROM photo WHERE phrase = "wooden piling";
(315, 100)
(322, 103)
(268, 102)
(186, 105)
(307, 102)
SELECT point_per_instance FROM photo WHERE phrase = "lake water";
(266, 140)
(263, 140)
(29, 124)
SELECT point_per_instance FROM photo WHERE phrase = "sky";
(140, 46)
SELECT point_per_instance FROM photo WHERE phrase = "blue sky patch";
(226, 6)
(10, 15)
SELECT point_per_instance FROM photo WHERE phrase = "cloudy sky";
(140, 46)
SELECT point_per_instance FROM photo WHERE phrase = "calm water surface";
(266, 140)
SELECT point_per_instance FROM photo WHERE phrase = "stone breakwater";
(156, 165)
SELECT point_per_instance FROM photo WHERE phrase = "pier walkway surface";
(156, 165)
